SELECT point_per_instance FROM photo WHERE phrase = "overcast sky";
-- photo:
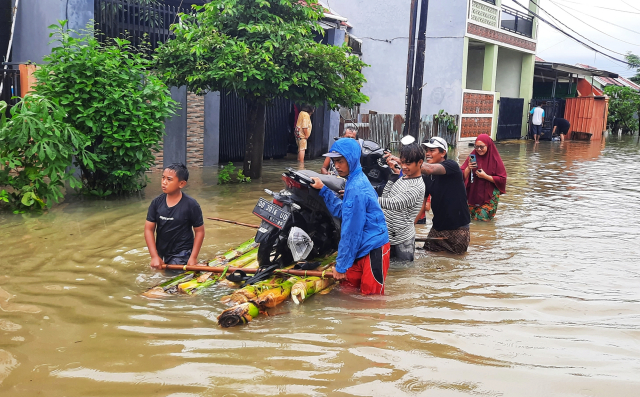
(553, 46)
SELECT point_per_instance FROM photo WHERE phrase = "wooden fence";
(386, 130)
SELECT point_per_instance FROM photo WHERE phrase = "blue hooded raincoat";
(363, 224)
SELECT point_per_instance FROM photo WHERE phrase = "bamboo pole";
(196, 268)
(424, 239)
(234, 222)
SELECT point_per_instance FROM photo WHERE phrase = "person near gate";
(485, 178)
(363, 251)
(537, 119)
(562, 126)
(303, 130)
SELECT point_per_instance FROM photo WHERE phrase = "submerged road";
(545, 303)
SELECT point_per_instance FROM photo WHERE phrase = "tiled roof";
(618, 81)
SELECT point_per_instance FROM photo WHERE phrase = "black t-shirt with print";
(174, 226)
(448, 197)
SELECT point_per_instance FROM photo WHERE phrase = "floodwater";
(545, 303)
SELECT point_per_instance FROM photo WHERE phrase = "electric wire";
(571, 29)
(630, 5)
(601, 20)
(604, 8)
(567, 34)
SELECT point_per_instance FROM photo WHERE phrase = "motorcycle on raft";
(296, 223)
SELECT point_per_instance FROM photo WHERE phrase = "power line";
(594, 28)
(591, 16)
(567, 34)
(568, 27)
(630, 5)
(604, 8)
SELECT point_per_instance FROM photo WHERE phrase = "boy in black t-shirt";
(174, 217)
(443, 181)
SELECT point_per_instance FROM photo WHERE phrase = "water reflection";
(544, 303)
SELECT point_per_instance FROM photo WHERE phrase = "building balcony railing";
(516, 22)
(492, 2)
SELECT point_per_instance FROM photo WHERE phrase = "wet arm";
(433, 169)
(325, 166)
(466, 173)
(423, 210)
(197, 244)
(150, 238)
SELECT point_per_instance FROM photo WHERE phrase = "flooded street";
(545, 303)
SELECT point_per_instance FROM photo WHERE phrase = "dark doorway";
(552, 110)
(510, 118)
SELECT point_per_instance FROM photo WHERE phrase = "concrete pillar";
(534, 7)
(465, 62)
(212, 129)
(526, 87)
(490, 67)
(331, 117)
(175, 140)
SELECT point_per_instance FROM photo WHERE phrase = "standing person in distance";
(443, 181)
(327, 166)
(363, 251)
(562, 126)
(490, 179)
(174, 229)
(402, 199)
(303, 130)
(537, 119)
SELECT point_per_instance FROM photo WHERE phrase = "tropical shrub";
(109, 94)
(624, 105)
(36, 150)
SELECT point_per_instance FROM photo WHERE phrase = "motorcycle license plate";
(271, 213)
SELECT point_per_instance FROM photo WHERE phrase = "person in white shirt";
(537, 120)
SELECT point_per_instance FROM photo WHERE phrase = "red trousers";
(369, 272)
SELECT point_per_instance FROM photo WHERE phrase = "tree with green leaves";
(261, 50)
(624, 107)
(110, 95)
(36, 149)
(634, 63)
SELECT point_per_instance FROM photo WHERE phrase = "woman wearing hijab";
(485, 179)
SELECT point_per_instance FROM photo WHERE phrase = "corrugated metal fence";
(233, 114)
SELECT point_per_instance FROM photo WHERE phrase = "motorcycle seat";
(334, 183)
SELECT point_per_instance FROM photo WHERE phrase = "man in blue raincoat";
(363, 252)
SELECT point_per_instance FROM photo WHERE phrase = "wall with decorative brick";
(195, 130)
(496, 35)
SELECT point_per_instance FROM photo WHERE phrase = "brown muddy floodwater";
(545, 303)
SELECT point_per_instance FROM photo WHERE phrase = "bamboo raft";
(250, 301)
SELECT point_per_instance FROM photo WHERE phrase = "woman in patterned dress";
(485, 179)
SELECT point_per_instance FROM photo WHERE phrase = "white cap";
(436, 142)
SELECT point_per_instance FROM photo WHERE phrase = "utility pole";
(418, 77)
(410, 60)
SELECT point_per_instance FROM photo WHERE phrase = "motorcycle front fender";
(263, 232)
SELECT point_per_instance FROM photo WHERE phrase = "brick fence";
(195, 134)
(195, 130)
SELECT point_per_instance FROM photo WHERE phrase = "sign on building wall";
(484, 13)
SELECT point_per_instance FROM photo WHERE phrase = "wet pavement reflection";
(546, 301)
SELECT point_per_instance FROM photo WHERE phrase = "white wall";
(475, 68)
(375, 20)
(508, 73)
